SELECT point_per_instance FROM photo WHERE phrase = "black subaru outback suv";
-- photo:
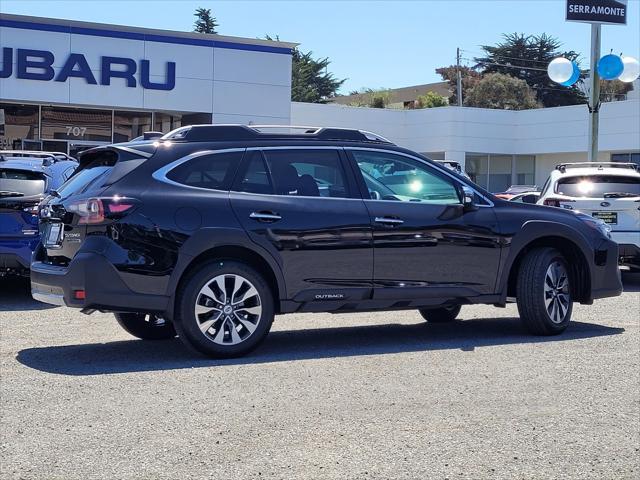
(210, 231)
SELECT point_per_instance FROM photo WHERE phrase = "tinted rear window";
(213, 171)
(598, 185)
(24, 182)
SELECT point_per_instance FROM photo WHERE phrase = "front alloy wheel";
(544, 292)
(557, 298)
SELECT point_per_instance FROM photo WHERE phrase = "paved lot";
(359, 396)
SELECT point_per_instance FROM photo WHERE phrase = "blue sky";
(371, 43)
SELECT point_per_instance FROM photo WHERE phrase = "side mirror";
(468, 202)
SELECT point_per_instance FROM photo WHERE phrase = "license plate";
(53, 235)
(607, 217)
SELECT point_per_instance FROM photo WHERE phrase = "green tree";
(527, 57)
(431, 100)
(500, 91)
(205, 22)
(310, 80)
(469, 79)
(613, 90)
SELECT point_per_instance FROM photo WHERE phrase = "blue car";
(25, 179)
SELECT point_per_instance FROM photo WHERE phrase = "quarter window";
(213, 172)
(392, 177)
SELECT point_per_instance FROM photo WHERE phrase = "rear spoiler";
(123, 152)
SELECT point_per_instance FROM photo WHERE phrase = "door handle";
(389, 221)
(265, 216)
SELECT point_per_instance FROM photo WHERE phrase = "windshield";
(598, 185)
(21, 183)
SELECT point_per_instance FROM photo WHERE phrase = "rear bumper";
(606, 280)
(15, 254)
(629, 255)
(102, 284)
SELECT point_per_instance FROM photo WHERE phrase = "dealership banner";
(597, 11)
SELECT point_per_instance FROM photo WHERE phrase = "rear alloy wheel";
(146, 327)
(544, 294)
(226, 309)
(441, 315)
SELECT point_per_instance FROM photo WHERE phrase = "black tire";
(441, 315)
(217, 340)
(146, 327)
(535, 288)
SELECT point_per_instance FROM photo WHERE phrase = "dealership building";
(67, 85)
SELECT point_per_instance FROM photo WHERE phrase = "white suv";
(608, 191)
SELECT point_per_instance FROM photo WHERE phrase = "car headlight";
(596, 224)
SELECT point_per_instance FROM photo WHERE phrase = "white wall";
(453, 129)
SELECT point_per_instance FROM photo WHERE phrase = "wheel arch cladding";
(238, 253)
(564, 239)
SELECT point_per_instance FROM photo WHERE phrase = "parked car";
(526, 197)
(210, 231)
(25, 178)
(516, 190)
(453, 166)
(607, 191)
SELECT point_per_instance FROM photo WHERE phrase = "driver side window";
(395, 177)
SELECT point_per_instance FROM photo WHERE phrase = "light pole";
(594, 94)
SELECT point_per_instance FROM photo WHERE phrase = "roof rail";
(47, 157)
(562, 167)
(260, 132)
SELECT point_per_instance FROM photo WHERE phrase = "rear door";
(302, 205)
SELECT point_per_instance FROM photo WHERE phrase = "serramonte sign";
(597, 11)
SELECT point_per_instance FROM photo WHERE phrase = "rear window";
(92, 171)
(598, 185)
(213, 171)
(22, 182)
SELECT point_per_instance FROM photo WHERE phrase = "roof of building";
(399, 95)
(138, 33)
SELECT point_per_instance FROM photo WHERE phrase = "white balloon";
(560, 69)
(631, 70)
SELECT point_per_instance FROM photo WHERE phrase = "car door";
(425, 243)
(303, 205)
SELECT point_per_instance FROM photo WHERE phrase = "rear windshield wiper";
(621, 195)
(55, 193)
(6, 193)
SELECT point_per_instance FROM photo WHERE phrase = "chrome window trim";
(413, 157)
(161, 174)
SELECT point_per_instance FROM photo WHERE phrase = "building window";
(129, 125)
(496, 173)
(76, 124)
(525, 170)
(633, 157)
(18, 123)
(477, 167)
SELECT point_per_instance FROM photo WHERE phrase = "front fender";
(535, 230)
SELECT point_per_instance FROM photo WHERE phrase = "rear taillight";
(555, 202)
(96, 210)
(31, 209)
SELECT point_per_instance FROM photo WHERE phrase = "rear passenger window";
(213, 171)
(256, 178)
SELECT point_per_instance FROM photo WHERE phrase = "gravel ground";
(347, 397)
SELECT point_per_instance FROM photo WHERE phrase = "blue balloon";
(575, 76)
(610, 67)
